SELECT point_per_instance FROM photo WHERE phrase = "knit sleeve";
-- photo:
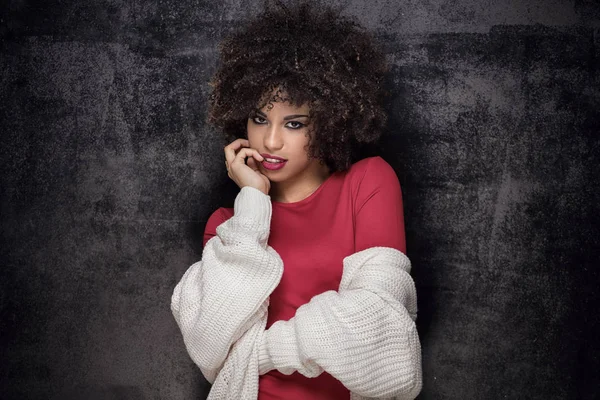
(221, 296)
(364, 334)
(210, 231)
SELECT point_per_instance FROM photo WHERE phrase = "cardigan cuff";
(252, 210)
(265, 364)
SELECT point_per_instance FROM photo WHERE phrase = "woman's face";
(281, 131)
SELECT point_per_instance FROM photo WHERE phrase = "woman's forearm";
(225, 293)
(364, 334)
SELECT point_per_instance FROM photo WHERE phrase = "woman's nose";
(274, 138)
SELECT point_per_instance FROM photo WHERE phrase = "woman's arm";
(364, 334)
(224, 294)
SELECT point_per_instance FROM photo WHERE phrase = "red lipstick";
(273, 165)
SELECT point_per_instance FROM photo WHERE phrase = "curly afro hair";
(308, 54)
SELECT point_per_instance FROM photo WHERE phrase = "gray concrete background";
(108, 174)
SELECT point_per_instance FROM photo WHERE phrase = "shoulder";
(219, 216)
(372, 172)
(374, 178)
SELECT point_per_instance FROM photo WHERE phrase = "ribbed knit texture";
(364, 334)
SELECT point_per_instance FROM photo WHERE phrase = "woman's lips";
(273, 165)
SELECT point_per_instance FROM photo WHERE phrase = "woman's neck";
(300, 188)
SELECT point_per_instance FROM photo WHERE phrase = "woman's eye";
(295, 124)
(257, 119)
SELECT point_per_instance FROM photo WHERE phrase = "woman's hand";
(245, 175)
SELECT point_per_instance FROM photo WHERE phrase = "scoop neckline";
(310, 196)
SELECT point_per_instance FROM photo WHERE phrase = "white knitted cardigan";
(364, 334)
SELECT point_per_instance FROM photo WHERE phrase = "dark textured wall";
(109, 173)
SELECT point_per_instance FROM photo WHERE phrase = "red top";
(351, 211)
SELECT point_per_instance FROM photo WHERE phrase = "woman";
(303, 290)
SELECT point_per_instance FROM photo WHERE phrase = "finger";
(244, 153)
(231, 149)
(252, 163)
(237, 143)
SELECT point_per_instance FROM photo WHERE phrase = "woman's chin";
(273, 175)
(273, 178)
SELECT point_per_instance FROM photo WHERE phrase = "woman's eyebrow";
(295, 116)
(286, 118)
